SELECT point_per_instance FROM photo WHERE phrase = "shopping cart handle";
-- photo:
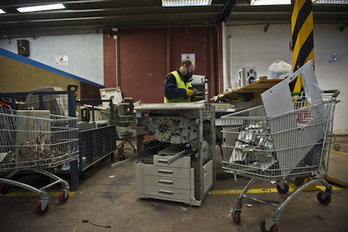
(335, 92)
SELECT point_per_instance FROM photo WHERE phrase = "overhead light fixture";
(269, 2)
(174, 3)
(40, 8)
(288, 2)
(2, 12)
(330, 1)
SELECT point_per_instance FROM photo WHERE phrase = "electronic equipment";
(247, 76)
(176, 151)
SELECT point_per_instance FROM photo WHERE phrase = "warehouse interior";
(90, 76)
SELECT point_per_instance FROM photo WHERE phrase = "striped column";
(302, 36)
(302, 40)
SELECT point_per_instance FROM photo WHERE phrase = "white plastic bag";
(279, 69)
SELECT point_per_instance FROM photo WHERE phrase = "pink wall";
(147, 55)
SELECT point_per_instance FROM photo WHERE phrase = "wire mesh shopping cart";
(280, 149)
(37, 141)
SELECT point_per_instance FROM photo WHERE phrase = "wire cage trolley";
(287, 147)
(36, 141)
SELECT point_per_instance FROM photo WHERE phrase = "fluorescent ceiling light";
(269, 2)
(288, 2)
(330, 1)
(40, 8)
(2, 12)
(174, 3)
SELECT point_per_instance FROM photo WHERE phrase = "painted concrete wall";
(146, 56)
(110, 61)
(142, 66)
(84, 52)
(198, 41)
(17, 76)
(251, 46)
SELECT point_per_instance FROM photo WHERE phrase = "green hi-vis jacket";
(181, 85)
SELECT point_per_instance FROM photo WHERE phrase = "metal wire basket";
(36, 139)
(279, 149)
(37, 142)
(274, 148)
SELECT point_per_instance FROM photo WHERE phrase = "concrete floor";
(106, 201)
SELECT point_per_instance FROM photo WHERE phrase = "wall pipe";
(219, 57)
(231, 63)
(226, 81)
(213, 77)
(168, 51)
(116, 58)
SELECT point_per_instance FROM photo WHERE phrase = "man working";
(177, 87)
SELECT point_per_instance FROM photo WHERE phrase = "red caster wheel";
(236, 217)
(39, 211)
(62, 198)
(274, 227)
(322, 201)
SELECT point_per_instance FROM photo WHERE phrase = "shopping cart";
(35, 141)
(280, 149)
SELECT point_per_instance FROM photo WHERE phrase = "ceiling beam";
(149, 13)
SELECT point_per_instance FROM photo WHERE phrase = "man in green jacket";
(177, 87)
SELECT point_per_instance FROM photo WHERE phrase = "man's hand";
(189, 92)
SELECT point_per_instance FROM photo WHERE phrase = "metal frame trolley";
(281, 148)
(35, 141)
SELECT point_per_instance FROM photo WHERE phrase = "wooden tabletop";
(253, 89)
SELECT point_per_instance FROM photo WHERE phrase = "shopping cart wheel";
(236, 217)
(4, 188)
(274, 227)
(62, 198)
(324, 201)
(283, 191)
(38, 209)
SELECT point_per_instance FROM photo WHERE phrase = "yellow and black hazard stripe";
(302, 36)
